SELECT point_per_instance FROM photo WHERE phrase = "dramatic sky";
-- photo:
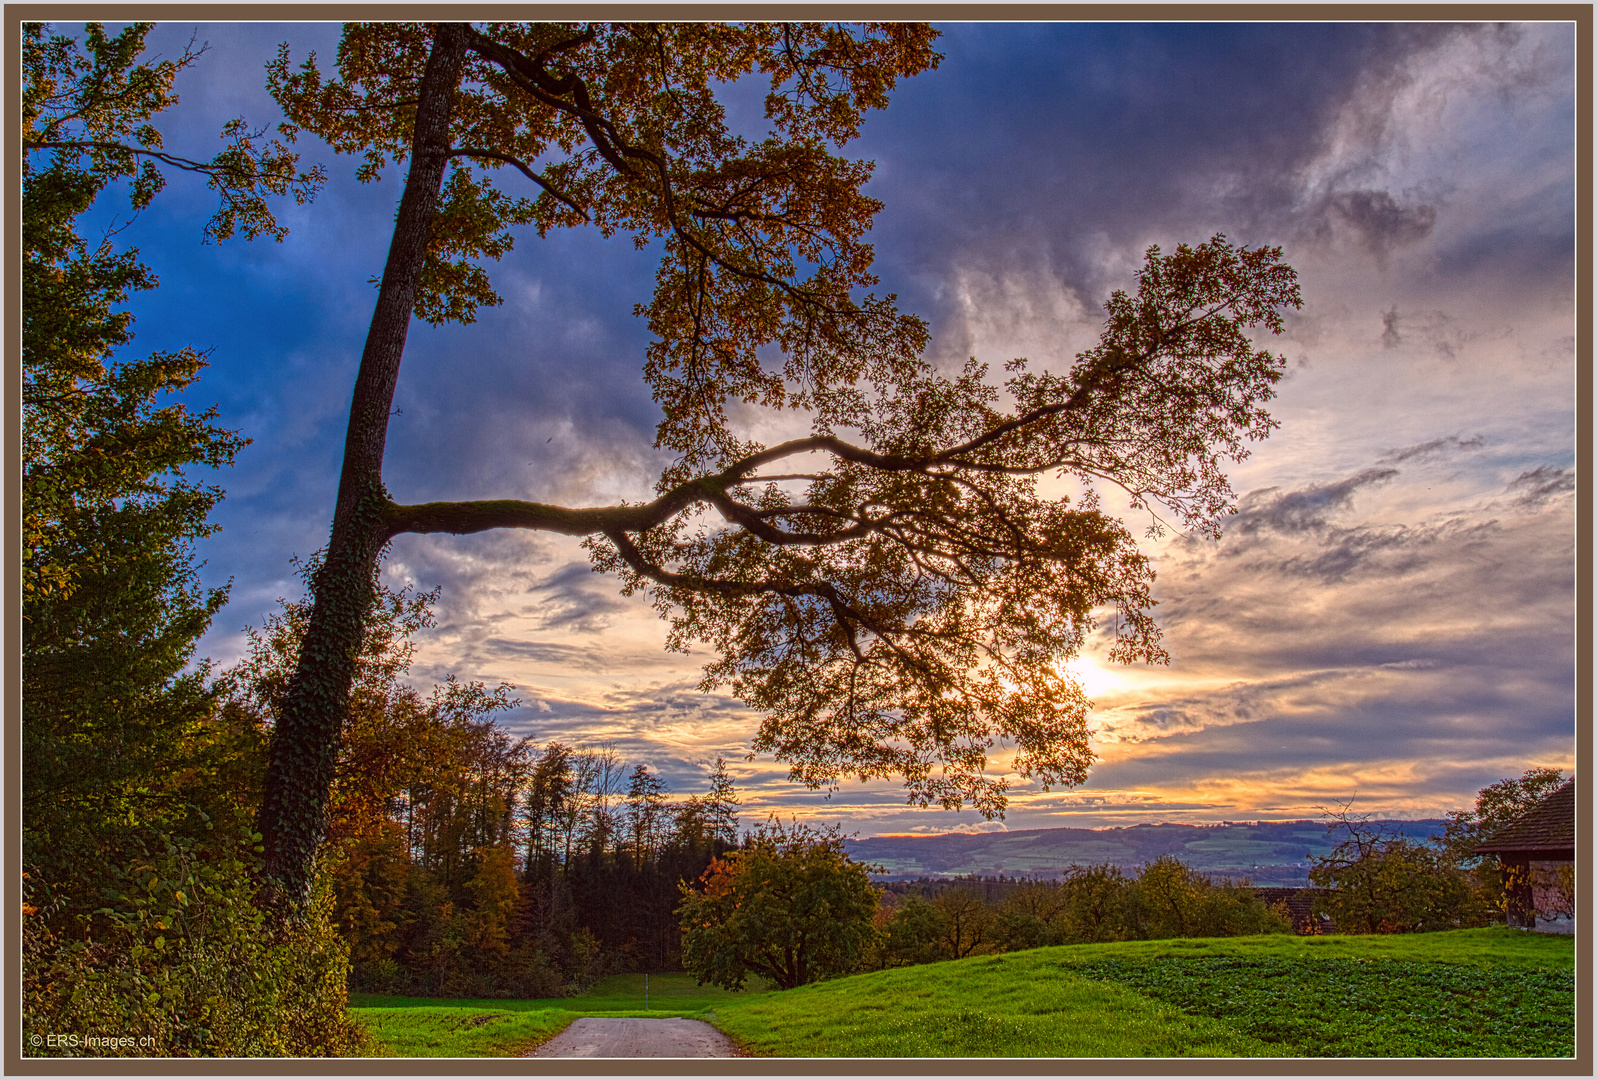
(1390, 613)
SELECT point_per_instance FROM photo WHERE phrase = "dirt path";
(627, 1037)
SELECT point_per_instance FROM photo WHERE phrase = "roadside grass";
(670, 994)
(461, 1031)
(1467, 993)
(496, 1027)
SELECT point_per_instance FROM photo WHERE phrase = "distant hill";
(1265, 852)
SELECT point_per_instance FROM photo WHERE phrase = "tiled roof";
(1300, 907)
(1549, 825)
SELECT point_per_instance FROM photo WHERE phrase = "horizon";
(1390, 615)
(1138, 825)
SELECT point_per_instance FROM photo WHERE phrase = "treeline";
(923, 922)
(463, 861)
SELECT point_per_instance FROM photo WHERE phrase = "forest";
(465, 861)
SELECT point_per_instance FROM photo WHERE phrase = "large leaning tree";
(892, 591)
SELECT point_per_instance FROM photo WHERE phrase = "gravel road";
(627, 1037)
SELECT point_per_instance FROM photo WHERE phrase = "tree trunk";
(310, 720)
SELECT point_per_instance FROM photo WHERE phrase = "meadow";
(1464, 993)
(494, 1027)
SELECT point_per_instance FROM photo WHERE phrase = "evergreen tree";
(646, 814)
(113, 725)
(720, 806)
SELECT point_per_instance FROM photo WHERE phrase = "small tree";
(1384, 883)
(646, 813)
(1031, 916)
(790, 906)
(912, 934)
(1098, 901)
(965, 920)
(721, 805)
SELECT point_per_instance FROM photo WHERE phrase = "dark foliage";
(789, 906)
(140, 917)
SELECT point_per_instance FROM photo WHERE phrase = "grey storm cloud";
(1431, 450)
(1373, 220)
(1245, 152)
(1541, 484)
(1470, 593)
(1342, 551)
(1444, 334)
(1381, 222)
(1300, 511)
(546, 652)
(1372, 736)
(577, 599)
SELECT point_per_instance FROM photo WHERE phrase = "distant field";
(1269, 853)
(1466, 993)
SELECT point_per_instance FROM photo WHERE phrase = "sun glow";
(1097, 679)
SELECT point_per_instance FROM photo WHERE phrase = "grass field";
(1466, 993)
(492, 1027)
(1389, 996)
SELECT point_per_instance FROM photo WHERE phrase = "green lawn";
(1007, 1006)
(1466, 993)
(493, 1027)
(1382, 1008)
(1470, 993)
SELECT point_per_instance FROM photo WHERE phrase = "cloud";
(1541, 484)
(1299, 511)
(545, 652)
(1373, 220)
(1432, 449)
(1389, 610)
(577, 599)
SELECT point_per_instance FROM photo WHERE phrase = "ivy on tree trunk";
(305, 742)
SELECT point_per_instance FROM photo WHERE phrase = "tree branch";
(476, 152)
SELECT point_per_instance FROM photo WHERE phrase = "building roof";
(1547, 826)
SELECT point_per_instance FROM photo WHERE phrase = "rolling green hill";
(1461, 993)
(1266, 852)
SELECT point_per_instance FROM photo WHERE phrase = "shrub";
(1381, 882)
(1173, 900)
(912, 933)
(183, 964)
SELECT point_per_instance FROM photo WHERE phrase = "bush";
(1381, 882)
(1173, 900)
(790, 906)
(183, 964)
(1165, 899)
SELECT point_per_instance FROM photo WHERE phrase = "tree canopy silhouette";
(892, 591)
